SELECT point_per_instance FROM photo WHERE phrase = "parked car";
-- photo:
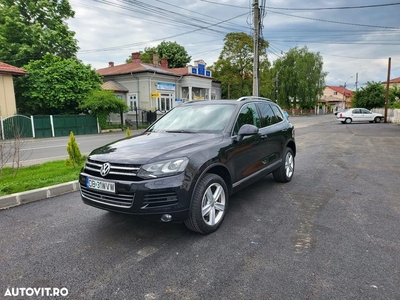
(185, 166)
(286, 114)
(340, 110)
(359, 115)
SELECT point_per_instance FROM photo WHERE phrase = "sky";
(354, 37)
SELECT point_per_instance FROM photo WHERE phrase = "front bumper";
(149, 198)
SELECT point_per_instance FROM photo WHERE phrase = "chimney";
(111, 64)
(155, 60)
(164, 63)
(136, 57)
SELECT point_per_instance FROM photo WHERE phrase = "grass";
(37, 176)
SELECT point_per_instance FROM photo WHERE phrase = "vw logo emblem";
(105, 169)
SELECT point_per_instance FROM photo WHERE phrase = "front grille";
(118, 200)
(158, 199)
(115, 169)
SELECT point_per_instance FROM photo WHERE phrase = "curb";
(38, 194)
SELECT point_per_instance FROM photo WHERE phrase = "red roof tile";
(394, 80)
(341, 90)
(11, 70)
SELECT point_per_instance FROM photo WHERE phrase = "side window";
(266, 114)
(247, 115)
(356, 111)
(278, 114)
(365, 111)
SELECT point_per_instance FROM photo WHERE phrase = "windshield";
(195, 118)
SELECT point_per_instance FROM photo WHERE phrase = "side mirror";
(246, 130)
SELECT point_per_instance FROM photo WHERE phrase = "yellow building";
(7, 95)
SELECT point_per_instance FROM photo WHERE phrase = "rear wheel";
(347, 121)
(377, 120)
(285, 172)
(209, 204)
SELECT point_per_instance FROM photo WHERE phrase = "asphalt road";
(37, 151)
(331, 233)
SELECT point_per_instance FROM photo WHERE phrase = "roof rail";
(253, 97)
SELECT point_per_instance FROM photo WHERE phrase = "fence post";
(33, 127)
(52, 125)
(2, 128)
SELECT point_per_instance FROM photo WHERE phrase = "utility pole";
(356, 82)
(256, 79)
(387, 90)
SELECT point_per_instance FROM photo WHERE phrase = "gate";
(81, 124)
(17, 126)
(42, 126)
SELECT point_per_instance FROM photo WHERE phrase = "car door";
(366, 115)
(245, 157)
(272, 132)
(356, 115)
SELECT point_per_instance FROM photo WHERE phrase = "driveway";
(331, 233)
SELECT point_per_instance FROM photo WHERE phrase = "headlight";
(163, 168)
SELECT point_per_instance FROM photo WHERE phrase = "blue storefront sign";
(165, 86)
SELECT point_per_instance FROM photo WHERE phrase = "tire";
(209, 204)
(285, 172)
(348, 121)
(377, 120)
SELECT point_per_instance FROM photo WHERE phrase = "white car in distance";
(359, 115)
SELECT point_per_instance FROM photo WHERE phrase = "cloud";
(350, 40)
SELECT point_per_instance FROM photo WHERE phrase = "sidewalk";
(16, 199)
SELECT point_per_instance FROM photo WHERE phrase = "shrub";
(75, 156)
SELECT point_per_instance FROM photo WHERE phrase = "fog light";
(166, 218)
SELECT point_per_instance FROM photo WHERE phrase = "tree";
(103, 102)
(370, 96)
(394, 97)
(176, 54)
(234, 67)
(75, 156)
(29, 29)
(55, 85)
(299, 78)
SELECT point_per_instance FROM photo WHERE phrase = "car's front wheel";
(377, 120)
(285, 172)
(209, 204)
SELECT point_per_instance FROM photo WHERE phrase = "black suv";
(187, 163)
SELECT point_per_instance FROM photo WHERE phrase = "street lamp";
(344, 90)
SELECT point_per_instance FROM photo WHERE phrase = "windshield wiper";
(179, 131)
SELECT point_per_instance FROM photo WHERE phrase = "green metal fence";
(17, 126)
(47, 126)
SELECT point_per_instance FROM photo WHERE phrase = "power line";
(309, 9)
(336, 22)
(156, 40)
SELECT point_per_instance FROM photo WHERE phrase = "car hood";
(154, 146)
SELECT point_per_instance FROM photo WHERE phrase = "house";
(154, 87)
(337, 97)
(7, 95)
(392, 82)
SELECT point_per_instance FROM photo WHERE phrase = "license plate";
(100, 185)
